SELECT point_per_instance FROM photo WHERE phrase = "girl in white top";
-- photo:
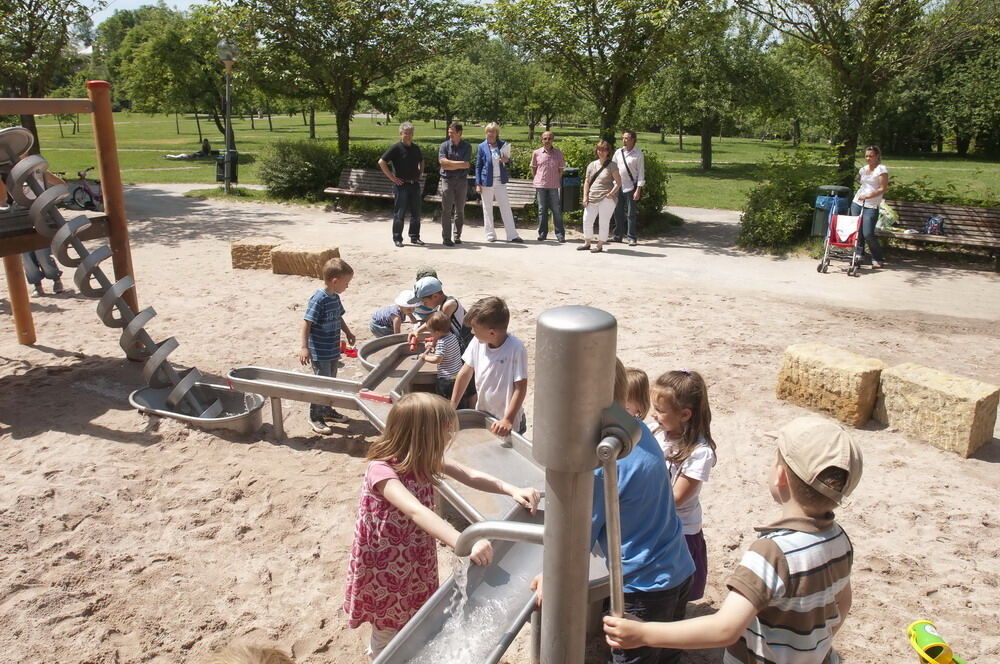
(874, 180)
(680, 408)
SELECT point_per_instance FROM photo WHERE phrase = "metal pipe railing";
(608, 451)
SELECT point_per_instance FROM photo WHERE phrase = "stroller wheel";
(851, 271)
(819, 267)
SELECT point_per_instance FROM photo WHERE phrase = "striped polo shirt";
(325, 312)
(792, 575)
(450, 352)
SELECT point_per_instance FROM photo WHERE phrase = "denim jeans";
(658, 606)
(548, 199)
(869, 217)
(625, 222)
(380, 330)
(326, 368)
(38, 263)
(454, 191)
(407, 201)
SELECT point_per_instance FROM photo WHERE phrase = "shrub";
(778, 211)
(922, 191)
(299, 168)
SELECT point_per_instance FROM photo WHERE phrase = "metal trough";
(241, 412)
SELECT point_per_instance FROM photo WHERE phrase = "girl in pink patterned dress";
(393, 567)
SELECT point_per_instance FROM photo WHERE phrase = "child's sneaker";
(39, 290)
(319, 426)
(57, 286)
(336, 417)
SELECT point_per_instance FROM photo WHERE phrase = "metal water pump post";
(575, 415)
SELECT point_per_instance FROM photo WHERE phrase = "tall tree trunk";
(197, 121)
(796, 132)
(270, 125)
(852, 101)
(219, 122)
(252, 124)
(531, 131)
(680, 139)
(609, 120)
(312, 122)
(177, 123)
(59, 120)
(962, 142)
(344, 111)
(939, 143)
(28, 122)
(707, 125)
(305, 120)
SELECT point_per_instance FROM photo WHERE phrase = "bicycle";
(86, 194)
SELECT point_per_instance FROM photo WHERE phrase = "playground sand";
(125, 539)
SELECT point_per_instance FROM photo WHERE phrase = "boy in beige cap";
(792, 590)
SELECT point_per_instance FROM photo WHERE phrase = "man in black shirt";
(407, 167)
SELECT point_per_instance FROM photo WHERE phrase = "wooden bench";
(368, 182)
(973, 227)
(520, 192)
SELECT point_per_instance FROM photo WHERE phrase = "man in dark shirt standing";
(407, 167)
(454, 155)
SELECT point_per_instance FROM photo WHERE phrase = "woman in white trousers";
(600, 196)
(492, 159)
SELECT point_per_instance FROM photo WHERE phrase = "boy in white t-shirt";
(499, 363)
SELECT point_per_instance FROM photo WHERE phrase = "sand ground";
(127, 539)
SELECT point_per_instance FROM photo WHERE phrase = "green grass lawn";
(144, 139)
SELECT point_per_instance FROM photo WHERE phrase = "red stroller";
(842, 242)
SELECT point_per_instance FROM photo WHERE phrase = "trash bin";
(220, 167)
(570, 198)
(827, 196)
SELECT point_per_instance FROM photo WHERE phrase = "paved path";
(699, 255)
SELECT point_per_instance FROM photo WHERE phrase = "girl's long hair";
(637, 390)
(418, 430)
(686, 389)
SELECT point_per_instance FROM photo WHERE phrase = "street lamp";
(228, 52)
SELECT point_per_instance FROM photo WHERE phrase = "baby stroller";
(841, 242)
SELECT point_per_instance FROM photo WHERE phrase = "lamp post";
(227, 54)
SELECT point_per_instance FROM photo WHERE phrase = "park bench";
(368, 182)
(520, 192)
(965, 226)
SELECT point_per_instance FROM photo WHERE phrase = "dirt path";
(133, 540)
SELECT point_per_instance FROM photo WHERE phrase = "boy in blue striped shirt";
(321, 328)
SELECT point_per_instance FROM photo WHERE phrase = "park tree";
(437, 90)
(36, 37)
(169, 64)
(110, 37)
(867, 44)
(603, 48)
(343, 48)
(541, 96)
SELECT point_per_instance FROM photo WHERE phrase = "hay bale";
(830, 379)
(949, 412)
(301, 259)
(252, 253)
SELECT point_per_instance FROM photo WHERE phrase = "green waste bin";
(570, 197)
(824, 200)
(220, 167)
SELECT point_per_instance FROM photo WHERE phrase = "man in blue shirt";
(455, 156)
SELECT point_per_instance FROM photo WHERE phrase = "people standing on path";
(492, 175)
(600, 194)
(455, 156)
(874, 180)
(632, 168)
(547, 166)
(407, 167)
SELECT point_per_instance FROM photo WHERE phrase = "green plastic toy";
(929, 645)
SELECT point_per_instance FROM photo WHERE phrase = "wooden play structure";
(17, 233)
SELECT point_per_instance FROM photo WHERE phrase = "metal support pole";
(229, 132)
(534, 657)
(277, 419)
(575, 373)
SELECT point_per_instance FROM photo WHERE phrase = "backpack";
(934, 226)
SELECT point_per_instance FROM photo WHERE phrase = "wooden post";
(111, 185)
(17, 287)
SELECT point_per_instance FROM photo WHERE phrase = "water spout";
(502, 530)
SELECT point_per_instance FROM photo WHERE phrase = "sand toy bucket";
(929, 645)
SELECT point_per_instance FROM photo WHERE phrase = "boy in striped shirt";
(321, 327)
(444, 350)
(792, 590)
